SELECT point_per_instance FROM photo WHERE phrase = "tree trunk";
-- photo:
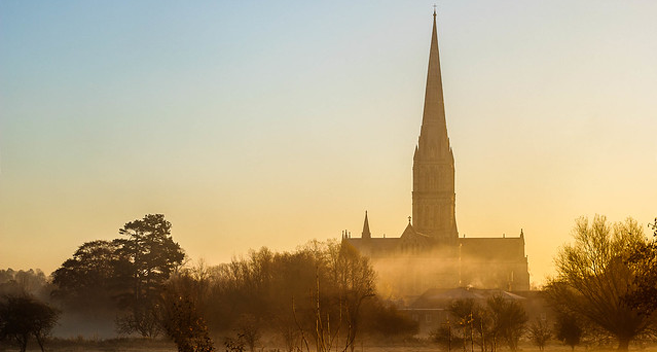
(39, 341)
(623, 343)
(22, 341)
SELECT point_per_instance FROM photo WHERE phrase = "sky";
(253, 123)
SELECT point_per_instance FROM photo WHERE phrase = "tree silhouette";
(568, 330)
(644, 261)
(183, 323)
(151, 256)
(594, 278)
(540, 333)
(469, 315)
(88, 280)
(21, 316)
(508, 319)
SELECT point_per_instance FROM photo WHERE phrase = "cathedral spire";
(434, 200)
(366, 228)
(433, 118)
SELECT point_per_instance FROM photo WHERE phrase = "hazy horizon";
(261, 124)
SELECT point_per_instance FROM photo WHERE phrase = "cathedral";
(430, 253)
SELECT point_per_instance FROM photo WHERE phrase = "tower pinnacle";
(366, 228)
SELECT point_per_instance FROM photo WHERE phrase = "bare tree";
(508, 320)
(594, 277)
(540, 333)
(355, 284)
(469, 316)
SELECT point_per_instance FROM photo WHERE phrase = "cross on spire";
(434, 9)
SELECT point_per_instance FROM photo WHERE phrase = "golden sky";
(254, 124)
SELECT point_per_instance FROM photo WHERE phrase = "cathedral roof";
(411, 236)
(375, 247)
(493, 248)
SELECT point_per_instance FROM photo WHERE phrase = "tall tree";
(151, 256)
(594, 277)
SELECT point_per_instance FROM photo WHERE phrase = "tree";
(540, 333)
(21, 316)
(644, 260)
(385, 320)
(355, 279)
(151, 256)
(469, 316)
(181, 318)
(185, 327)
(508, 319)
(127, 274)
(568, 330)
(594, 277)
(248, 330)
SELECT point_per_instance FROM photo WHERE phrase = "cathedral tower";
(434, 197)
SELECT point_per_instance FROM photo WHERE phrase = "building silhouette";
(430, 253)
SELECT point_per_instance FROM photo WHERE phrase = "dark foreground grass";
(80, 344)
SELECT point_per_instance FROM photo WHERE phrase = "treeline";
(23, 311)
(28, 281)
(321, 296)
